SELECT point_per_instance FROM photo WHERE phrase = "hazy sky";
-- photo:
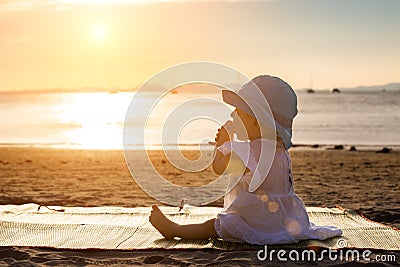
(111, 43)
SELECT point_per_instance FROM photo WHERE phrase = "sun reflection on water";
(98, 119)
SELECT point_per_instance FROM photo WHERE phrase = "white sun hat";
(271, 99)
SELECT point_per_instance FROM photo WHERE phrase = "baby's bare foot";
(164, 225)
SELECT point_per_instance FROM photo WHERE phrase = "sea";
(96, 120)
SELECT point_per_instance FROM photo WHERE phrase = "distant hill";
(387, 87)
(371, 88)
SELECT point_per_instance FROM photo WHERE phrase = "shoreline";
(193, 147)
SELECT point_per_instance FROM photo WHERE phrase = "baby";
(260, 206)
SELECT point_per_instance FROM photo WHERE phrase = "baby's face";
(246, 126)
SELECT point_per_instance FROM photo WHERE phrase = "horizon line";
(115, 89)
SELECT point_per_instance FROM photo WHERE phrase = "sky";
(122, 43)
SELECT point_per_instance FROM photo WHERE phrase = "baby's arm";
(221, 161)
(227, 161)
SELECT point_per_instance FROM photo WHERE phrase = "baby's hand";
(225, 133)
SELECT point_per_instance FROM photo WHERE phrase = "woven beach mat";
(31, 225)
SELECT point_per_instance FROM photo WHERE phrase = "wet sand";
(366, 181)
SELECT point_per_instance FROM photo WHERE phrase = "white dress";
(272, 214)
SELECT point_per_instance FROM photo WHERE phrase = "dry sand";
(362, 180)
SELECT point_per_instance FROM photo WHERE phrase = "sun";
(99, 32)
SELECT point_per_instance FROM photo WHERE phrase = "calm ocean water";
(96, 120)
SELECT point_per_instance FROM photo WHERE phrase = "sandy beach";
(365, 181)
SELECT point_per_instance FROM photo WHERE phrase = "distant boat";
(335, 90)
(310, 91)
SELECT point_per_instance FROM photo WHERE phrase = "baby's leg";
(169, 229)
